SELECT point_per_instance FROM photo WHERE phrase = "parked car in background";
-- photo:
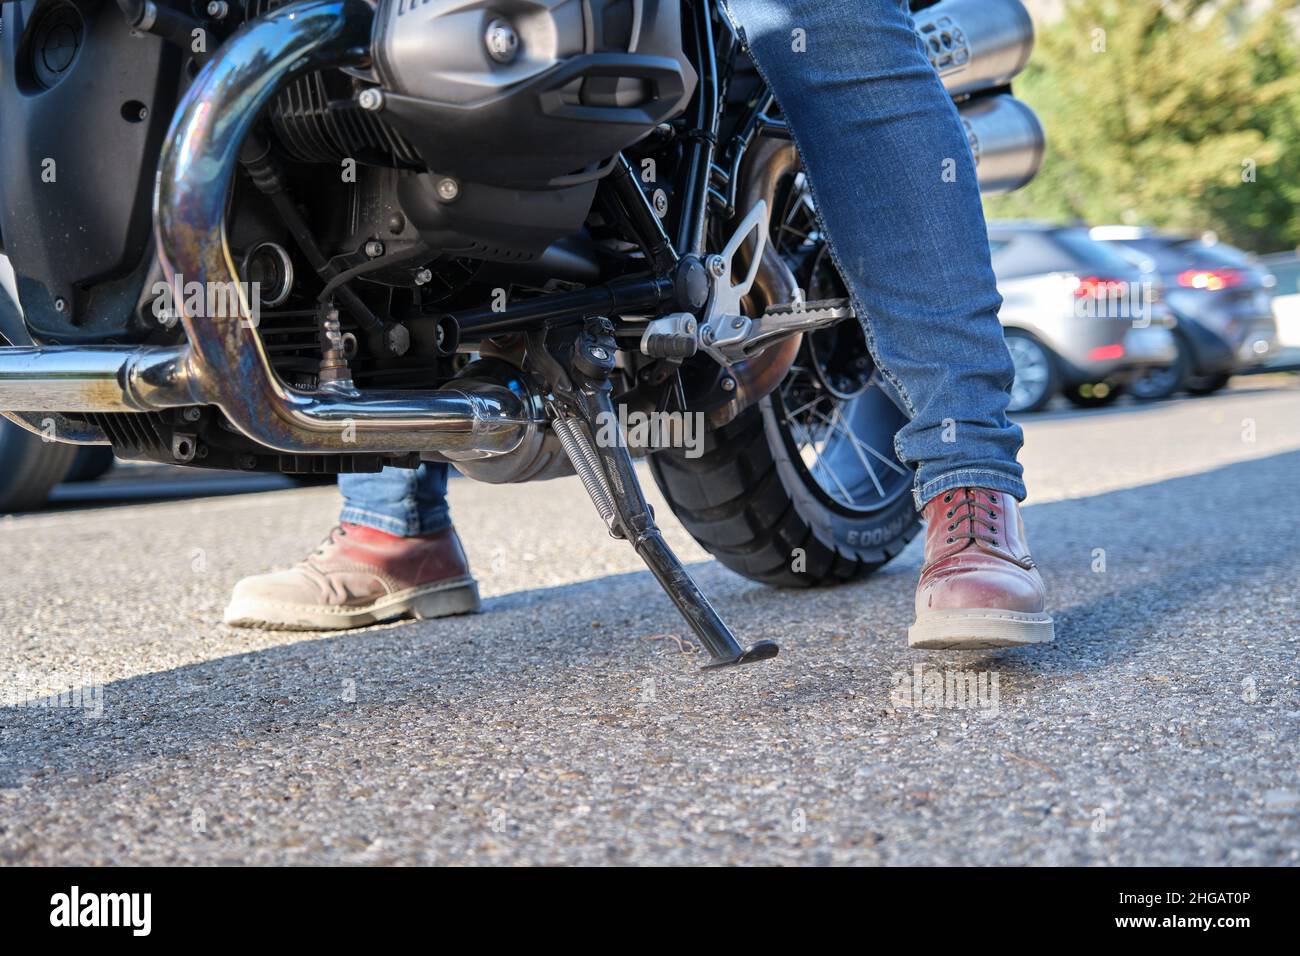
(1285, 267)
(1079, 318)
(1221, 297)
(29, 466)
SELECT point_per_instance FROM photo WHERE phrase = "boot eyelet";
(993, 498)
(949, 514)
(949, 541)
(947, 498)
(952, 527)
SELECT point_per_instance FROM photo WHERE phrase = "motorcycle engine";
(502, 115)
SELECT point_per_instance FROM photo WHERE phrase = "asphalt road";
(565, 725)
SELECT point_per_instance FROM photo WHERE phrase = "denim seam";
(373, 519)
(946, 482)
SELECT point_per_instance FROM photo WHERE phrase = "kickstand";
(582, 405)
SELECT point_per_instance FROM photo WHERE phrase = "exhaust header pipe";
(225, 364)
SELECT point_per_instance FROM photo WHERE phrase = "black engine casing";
(523, 138)
(586, 80)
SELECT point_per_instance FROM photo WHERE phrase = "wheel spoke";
(854, 444)
(829, 472)
(858, 442)
(802, 408)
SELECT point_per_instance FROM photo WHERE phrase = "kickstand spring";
(587, 464)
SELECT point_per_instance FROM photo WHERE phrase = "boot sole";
(444, 599)
(976, 629)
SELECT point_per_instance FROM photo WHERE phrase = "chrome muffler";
(980, 46)
(976, 44)
(1006, 140)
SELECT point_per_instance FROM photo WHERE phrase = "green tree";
(1180, 114)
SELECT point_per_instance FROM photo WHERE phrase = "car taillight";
(1212, 280)
(1100, 288)
(1103, 352)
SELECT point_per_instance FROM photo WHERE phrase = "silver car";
(1079, 319)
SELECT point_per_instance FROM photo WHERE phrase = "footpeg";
(582, 394)
(674, 336)
(729, 336)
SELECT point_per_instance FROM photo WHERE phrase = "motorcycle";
(333, 235)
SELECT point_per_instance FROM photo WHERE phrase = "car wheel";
(1037, 376)
(1154, 384)
(1092, 394)
(29, 467)
(1206, 384)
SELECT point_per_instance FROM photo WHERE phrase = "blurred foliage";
(1158, 112)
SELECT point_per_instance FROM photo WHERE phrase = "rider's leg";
(400, 501)
(894, 182)
(394, 553)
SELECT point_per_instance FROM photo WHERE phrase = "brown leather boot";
(979, 587)
(360, 576)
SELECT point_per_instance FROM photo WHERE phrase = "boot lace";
(338, 531)
(967, 516)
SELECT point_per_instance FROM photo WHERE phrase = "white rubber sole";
(973, 629)
(444, 599)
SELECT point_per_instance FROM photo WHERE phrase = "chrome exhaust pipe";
(73, 378)
(225, 363)
(976, 44)
(1006, 140)
(38, 384)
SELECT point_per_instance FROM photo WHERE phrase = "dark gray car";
(1222, 299)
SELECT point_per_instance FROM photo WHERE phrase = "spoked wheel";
(806, 487)
(838, 424)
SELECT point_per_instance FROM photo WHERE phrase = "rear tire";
(752, 510)
(805, 487)
(29, 467)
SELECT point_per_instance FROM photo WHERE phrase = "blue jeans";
(401, 501)
(893, 180)
(894, 184)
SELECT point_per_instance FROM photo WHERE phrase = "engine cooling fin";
(317, 120)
